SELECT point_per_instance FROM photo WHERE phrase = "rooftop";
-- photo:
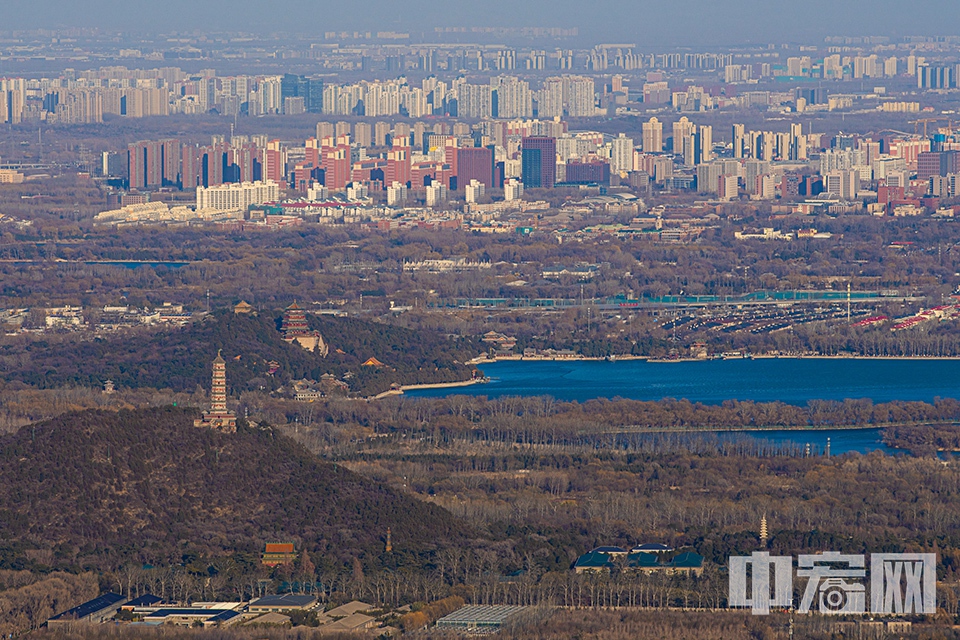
(285, 600)
(146, 600)
(355, 606)
(652, 547)
(479, 616)
(93, 606)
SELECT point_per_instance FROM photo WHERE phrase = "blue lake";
(791, 380)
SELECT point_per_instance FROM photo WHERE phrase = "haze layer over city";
(627, 320)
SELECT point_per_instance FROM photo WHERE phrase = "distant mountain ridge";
(149, 484)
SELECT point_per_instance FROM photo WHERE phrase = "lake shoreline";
(480, 360)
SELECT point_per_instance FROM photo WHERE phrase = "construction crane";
(925, 121)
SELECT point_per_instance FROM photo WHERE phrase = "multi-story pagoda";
(219, 417)
(294, 328)
(294, 321)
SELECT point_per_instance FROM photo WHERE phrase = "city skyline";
(681, 23)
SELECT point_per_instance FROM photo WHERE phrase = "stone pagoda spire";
(218, 387)
(219, 417)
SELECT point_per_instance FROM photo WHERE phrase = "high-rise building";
(513, 97)
(398, 164)
(708, 177)
(362, 134)
(309, 90)
(475, 101)
(550, 100)
(621, 154)
(936, 77)
(928, 164)
(727, 187)
(473, 192)
(798, 142)
(579, 96)
(512, 189)
(538, 161)
(436, 194)
(396, 194)
(274, 162)
(682, 130)
(737, 138)
(751, 169)
(335, 162)
(153, 163)
(589, 172)
(325, 130)
(656, 93)
(474, 163)
(703, 144)
(13, 96)
(381, 132)
(890, 66)
(842, 184)
(937, 163)
(652, 136)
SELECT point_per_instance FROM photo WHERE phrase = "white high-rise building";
(396, 194)
(708, 177)
(798, 142)
(621, 154)
(728, 187)
(751, 170)
(474, 191)
(890, 67)
(474, 101)
(550, 104)
(512, 189)
(765, 187)
(514, 99)
(579, 96)
(704, 144)
(842, 184)
(436, 194)
(357, 191)
(737, 135)
(682, 131)
(318, 193)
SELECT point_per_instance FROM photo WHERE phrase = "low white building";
(232, 196)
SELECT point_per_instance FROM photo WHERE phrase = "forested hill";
(149, 486)
(179, 359)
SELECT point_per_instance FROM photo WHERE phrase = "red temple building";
(295, 329)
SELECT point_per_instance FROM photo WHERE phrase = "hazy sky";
(677, 22)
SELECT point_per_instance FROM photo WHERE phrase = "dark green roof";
(594, 560)
(642, 560)
(600, 560)
(688, 559)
